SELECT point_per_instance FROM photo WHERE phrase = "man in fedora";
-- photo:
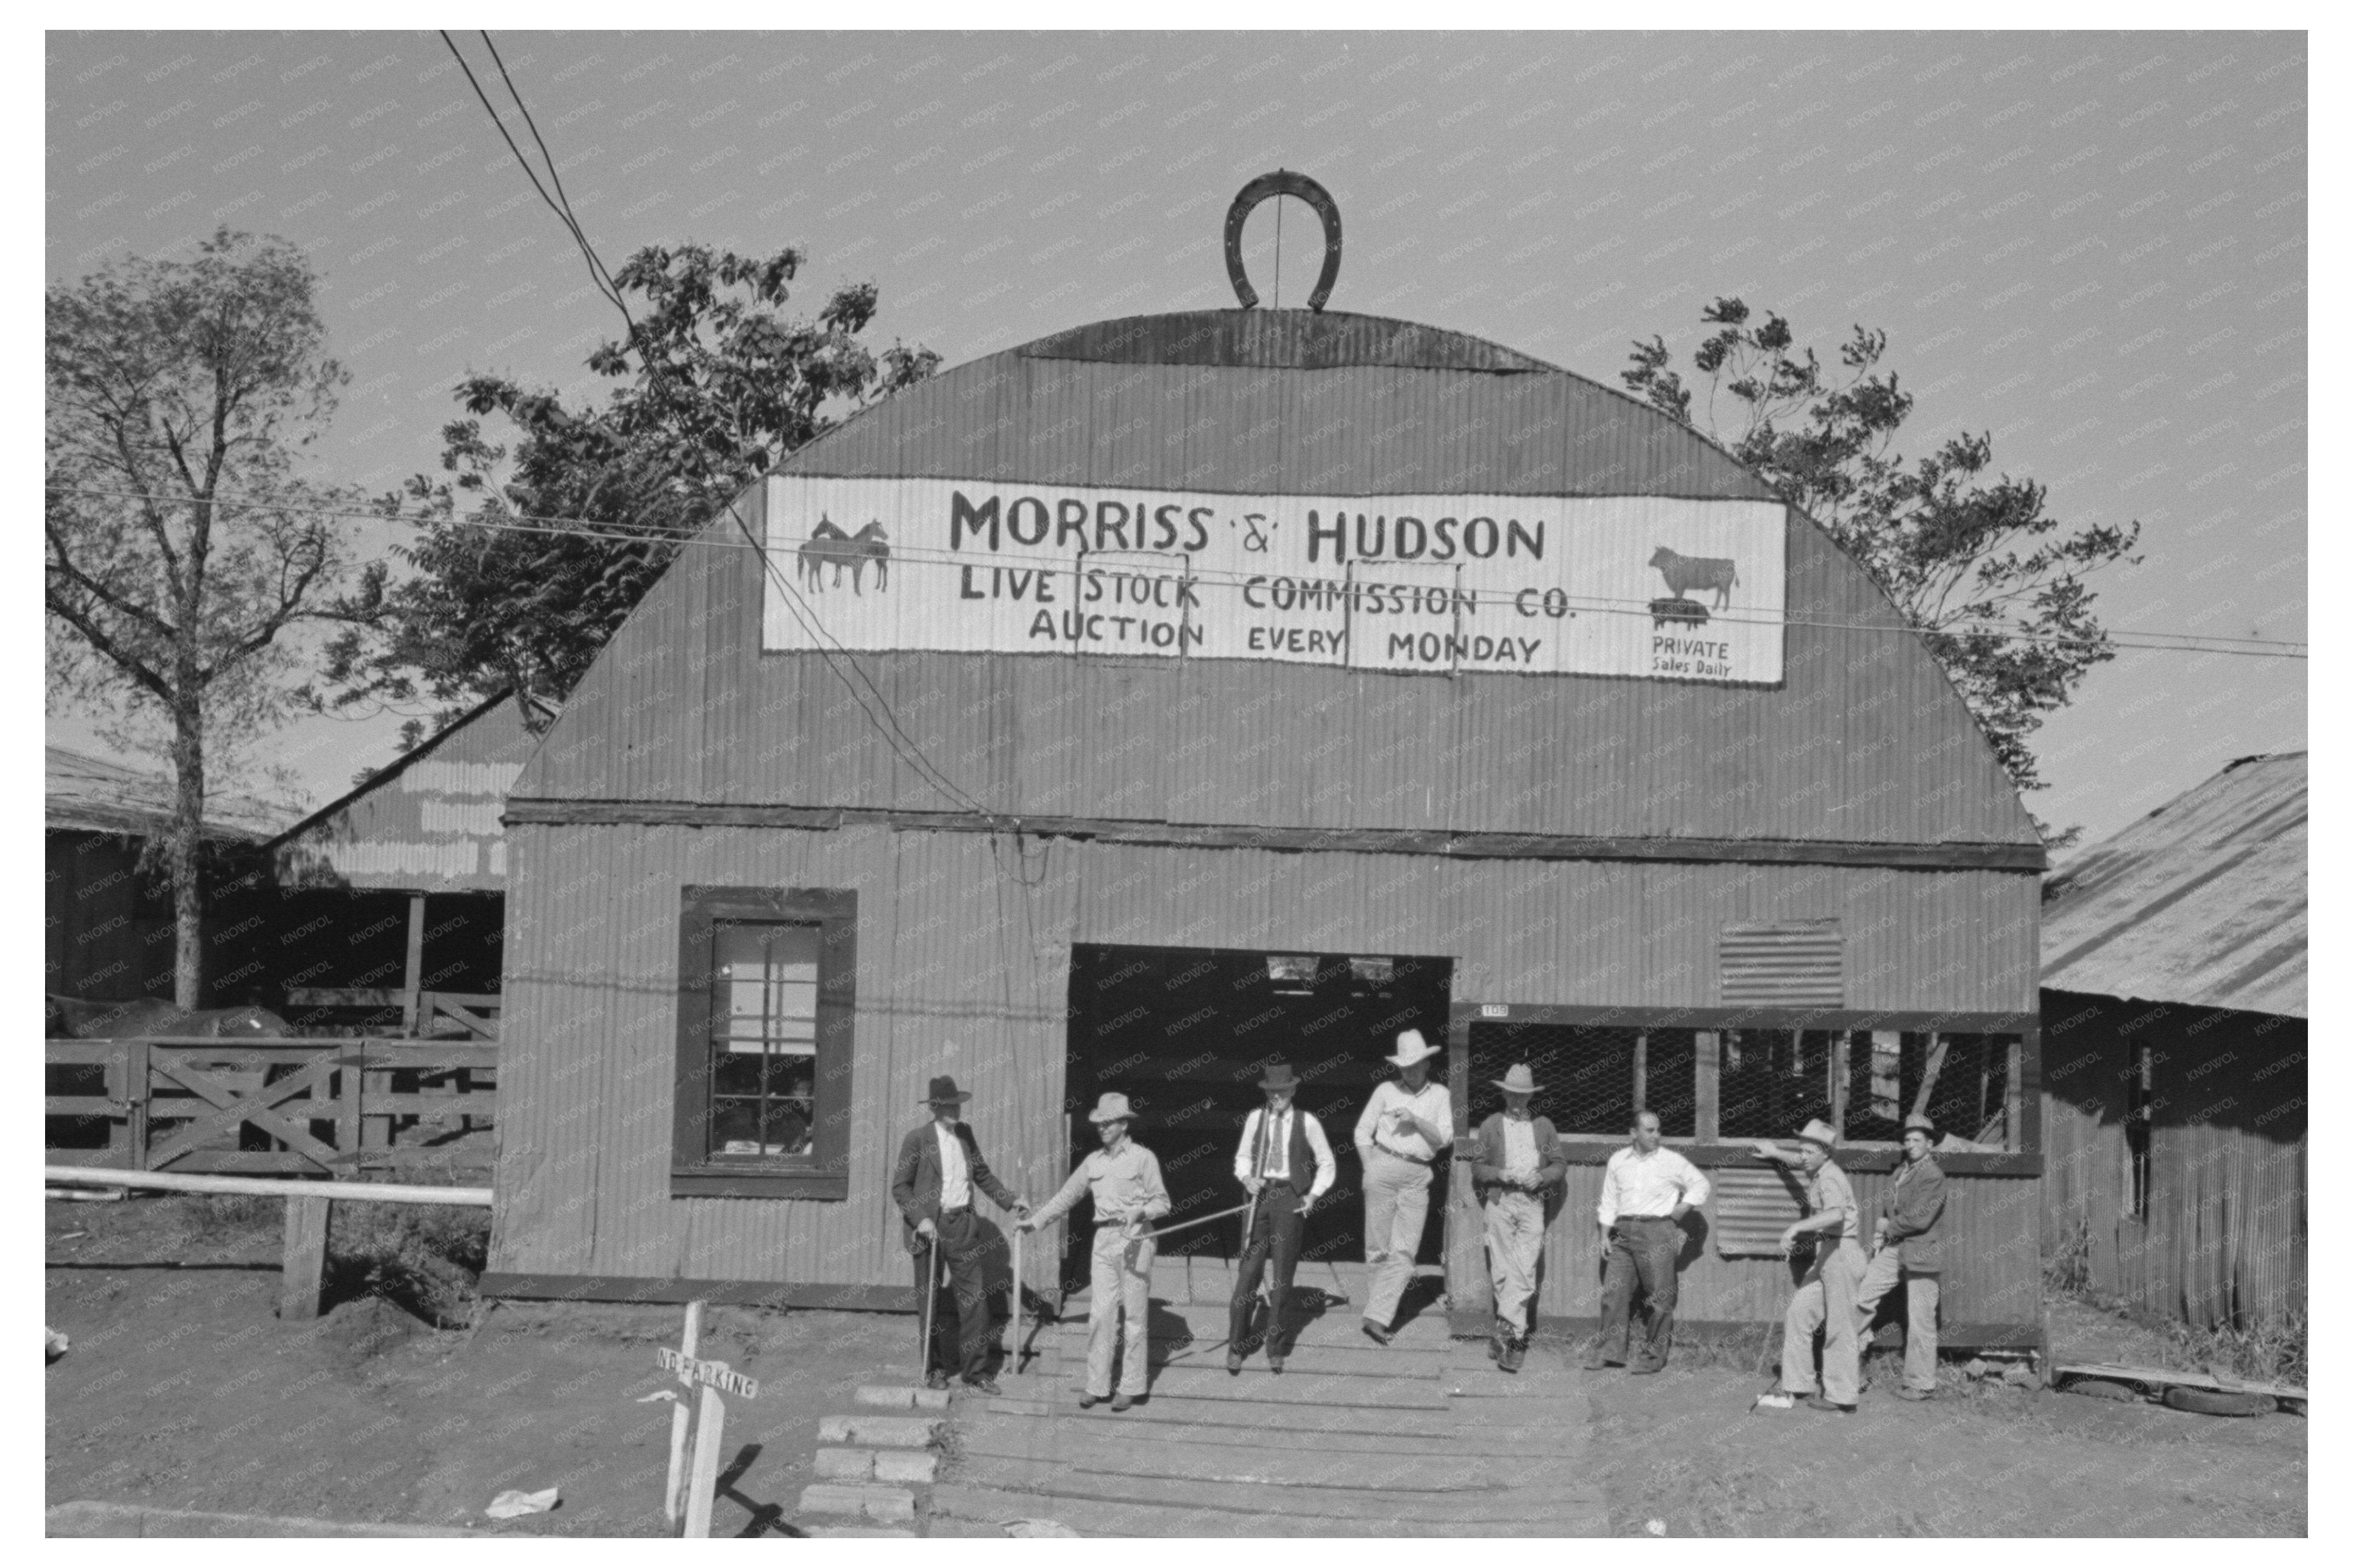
(1122, 1177)
(1406, 1126)
(1825, 1297)
(1279, 1143)
(1646, 1190)
(1519, 1162)
(938, 1171)
(1906, 1246)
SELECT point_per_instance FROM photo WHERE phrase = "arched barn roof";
(1861, 742)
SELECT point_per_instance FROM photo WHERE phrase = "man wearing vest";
(1404, 1128)
(1906, 1246)
(1519, 1162)
(1123, 1178)
(1825, 1297)
(938, 1171)
(1279, 1143)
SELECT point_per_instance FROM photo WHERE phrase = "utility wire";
(2124, 638)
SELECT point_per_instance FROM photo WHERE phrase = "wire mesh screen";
(1584, 1073)
(1883, 1075)
(1670, 1076)
(1771, 1081)
(1971, 1097)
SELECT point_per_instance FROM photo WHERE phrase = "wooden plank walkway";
(1423, 1437)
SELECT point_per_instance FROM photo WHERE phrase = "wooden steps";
(1092, 1516)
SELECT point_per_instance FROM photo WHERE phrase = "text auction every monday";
(1626, 586)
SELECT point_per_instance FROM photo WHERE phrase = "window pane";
(763, 1037)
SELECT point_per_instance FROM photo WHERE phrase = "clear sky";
(2092, 245)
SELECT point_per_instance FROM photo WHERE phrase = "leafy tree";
(717, 387)
(176, 389)
(1993, 582)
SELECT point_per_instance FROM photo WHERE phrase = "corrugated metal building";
(108, 924)
(968, 770)
(2174, 1002)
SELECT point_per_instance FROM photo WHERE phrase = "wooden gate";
(284, 1106)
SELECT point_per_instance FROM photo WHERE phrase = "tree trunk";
(187, 840)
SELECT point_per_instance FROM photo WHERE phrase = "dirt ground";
(1682, 1447)
(183, 1389)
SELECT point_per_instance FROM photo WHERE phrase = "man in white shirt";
(1405, 1127)
(1278, 1143)
(1646, 1190)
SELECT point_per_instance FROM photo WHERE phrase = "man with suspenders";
(1278, 1143)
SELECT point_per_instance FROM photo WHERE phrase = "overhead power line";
(2138, 638)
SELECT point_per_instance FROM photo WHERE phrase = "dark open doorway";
(1183, 1033)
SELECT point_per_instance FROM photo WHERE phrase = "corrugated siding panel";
(963, 947)
(2225, 1238)
(1782, 966)
(1865, 742)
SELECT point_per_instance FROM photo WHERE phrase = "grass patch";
(426, 1260)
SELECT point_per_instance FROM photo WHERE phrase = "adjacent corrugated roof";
(426, 822)
(2203, 902)
(90, 794)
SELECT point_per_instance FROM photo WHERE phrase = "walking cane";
(931, 1296)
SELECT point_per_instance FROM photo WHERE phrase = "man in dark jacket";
(1519, 1162)
(939, 1170)
(1908, 1247)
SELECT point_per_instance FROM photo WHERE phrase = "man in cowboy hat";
(1405, 1127)
(1519, 1162)
(1825, 1297)
(1904, 1245)
(1123, 1179)
(1646, 1190)
(938, 1171)
(1278, 1143)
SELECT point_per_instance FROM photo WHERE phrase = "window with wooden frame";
(1865, 1082)
(767, 993)
(1594, 1077)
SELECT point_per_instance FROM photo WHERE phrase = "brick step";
(892, 1504)
(895, 1396)
(902, 1466)
(881, 1431)
(854, 1533)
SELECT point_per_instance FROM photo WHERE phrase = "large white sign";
(1625, 585)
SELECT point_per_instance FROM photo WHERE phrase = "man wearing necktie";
(1278, 1143)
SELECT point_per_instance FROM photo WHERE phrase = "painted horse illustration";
(828, 545)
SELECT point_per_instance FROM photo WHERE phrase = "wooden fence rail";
(309, 1107)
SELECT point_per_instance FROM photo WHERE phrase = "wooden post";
(1707, 1048)
(306, 1257)
(412, 985)
(1641, 1071)
(674, 1494)
(134, 1090)
(2014, 1113)
(702, 1484)
(1841, 1076)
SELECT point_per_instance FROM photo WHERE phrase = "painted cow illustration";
(828, 545)
(1705, 573)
